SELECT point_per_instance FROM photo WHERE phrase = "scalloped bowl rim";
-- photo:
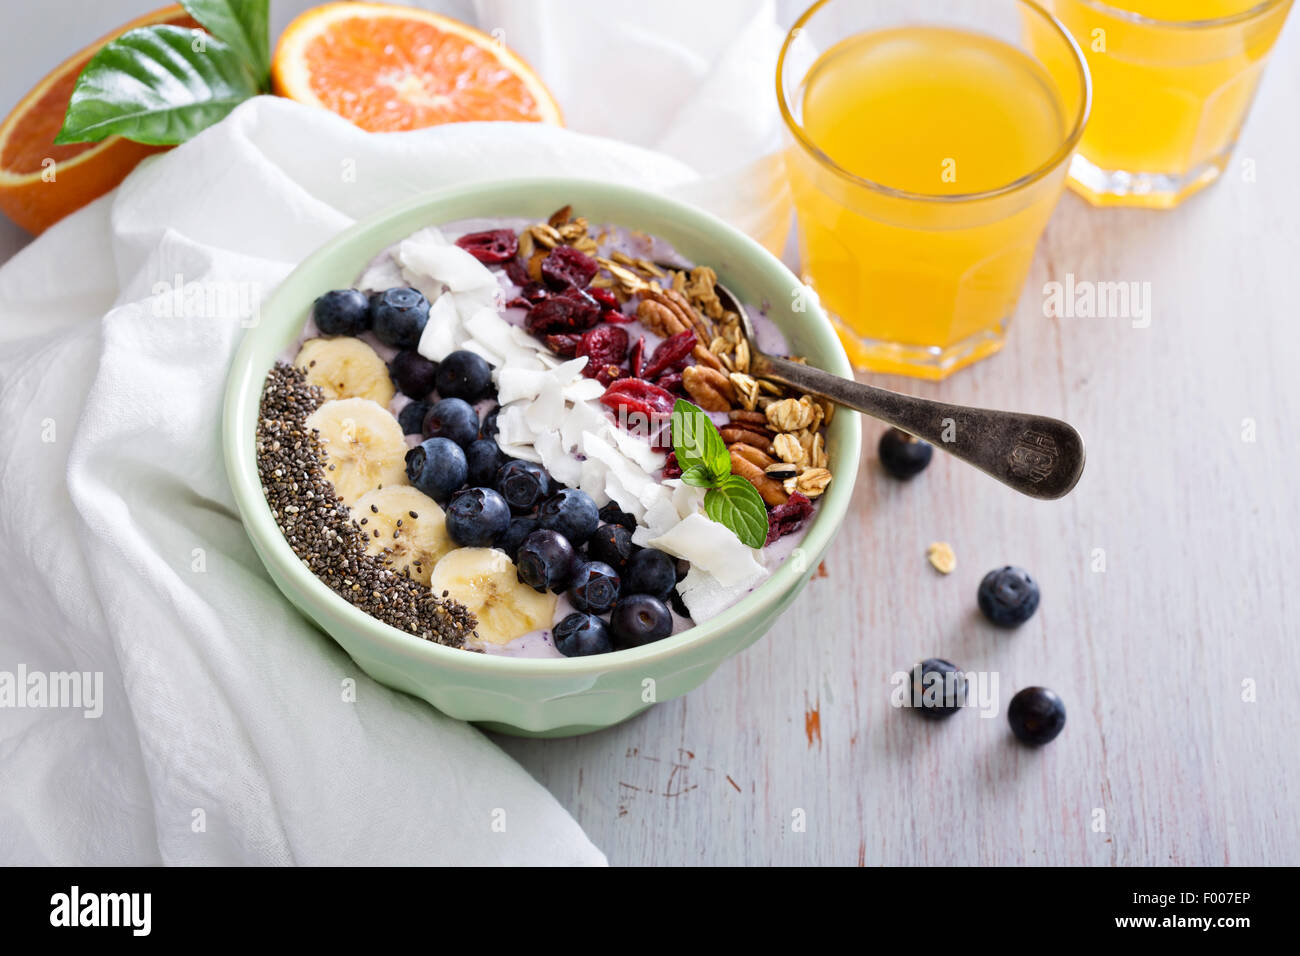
(246, 377)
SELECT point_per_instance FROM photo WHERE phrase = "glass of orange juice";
(1173, 81)
(929, 144)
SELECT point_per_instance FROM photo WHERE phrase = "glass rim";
(1058, 157)
(1259, 9)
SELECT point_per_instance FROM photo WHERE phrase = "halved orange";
(390, 68)
(40, 182)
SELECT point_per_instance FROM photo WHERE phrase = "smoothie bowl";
(500, 444)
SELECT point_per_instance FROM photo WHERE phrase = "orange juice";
(928, 161)
(1173, 81)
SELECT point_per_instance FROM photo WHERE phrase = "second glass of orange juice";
(1173, 81)
(928, 151)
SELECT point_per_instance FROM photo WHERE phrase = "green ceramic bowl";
(522, 696)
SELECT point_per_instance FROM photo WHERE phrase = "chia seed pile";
(320, 529)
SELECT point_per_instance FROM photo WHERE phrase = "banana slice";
(345, 367)
(364, 446)
(412, 529)
(484, 580)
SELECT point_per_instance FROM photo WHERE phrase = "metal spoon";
(1037, 456)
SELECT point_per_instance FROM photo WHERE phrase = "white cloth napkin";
(231, 731)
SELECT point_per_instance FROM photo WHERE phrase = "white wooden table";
(791, 754)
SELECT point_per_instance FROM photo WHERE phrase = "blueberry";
(477, 517)
(412, 416)
(677, 604)
(466, 375)
(938, 688)
(651, 572)
(545, 560)
(594, 587)
(572, 513)
(484, 458)
(520, 528)
(902, 455)
(489, 427)
(437, 467)
(1036, 715)
(613, 514)
(524, 484)
(342, 312)
(412, 373)
(452, 418)
(640, 619)
(399, 316)
(1008, 596)
(579, 635)
(612, 544)
(683, 569)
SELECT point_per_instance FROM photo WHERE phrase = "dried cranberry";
(788, 518)
(605, 297)
(566, 266)
(615, 317)
(669, 352)
(517, 272)
(534, 292)
(638, 395)
(565, 346)
(570, 311)
(519, 302)
(637, 361)
(671, 382)
(491, 247)
(603, 345)
(671, 468)
(608, 374)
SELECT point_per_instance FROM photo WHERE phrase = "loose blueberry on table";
(1036, 715)
(904, 456)
(1008, 596)
(940, 688)
(496, 433)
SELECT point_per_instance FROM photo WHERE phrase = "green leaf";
(244, 25)
(699, 476)
(696, 441)
(151, 85)
(736, 504)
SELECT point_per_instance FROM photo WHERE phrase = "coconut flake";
(442, 334)
(518, 384)
(563, 467)
(545, 410)
(712, 547)
(584, 390)
(422, 257)
(639, 450)
(583, 417)
(705, 596)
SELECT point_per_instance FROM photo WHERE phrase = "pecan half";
(687, 318)
(770, 490)
(748, 418)
(755, 456)
(710, 389)
(732, 434)
(658, 318)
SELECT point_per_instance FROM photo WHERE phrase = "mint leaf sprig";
(162, 84)
(731, 501)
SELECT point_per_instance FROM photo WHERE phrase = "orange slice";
(390, 68)
(40, 182)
